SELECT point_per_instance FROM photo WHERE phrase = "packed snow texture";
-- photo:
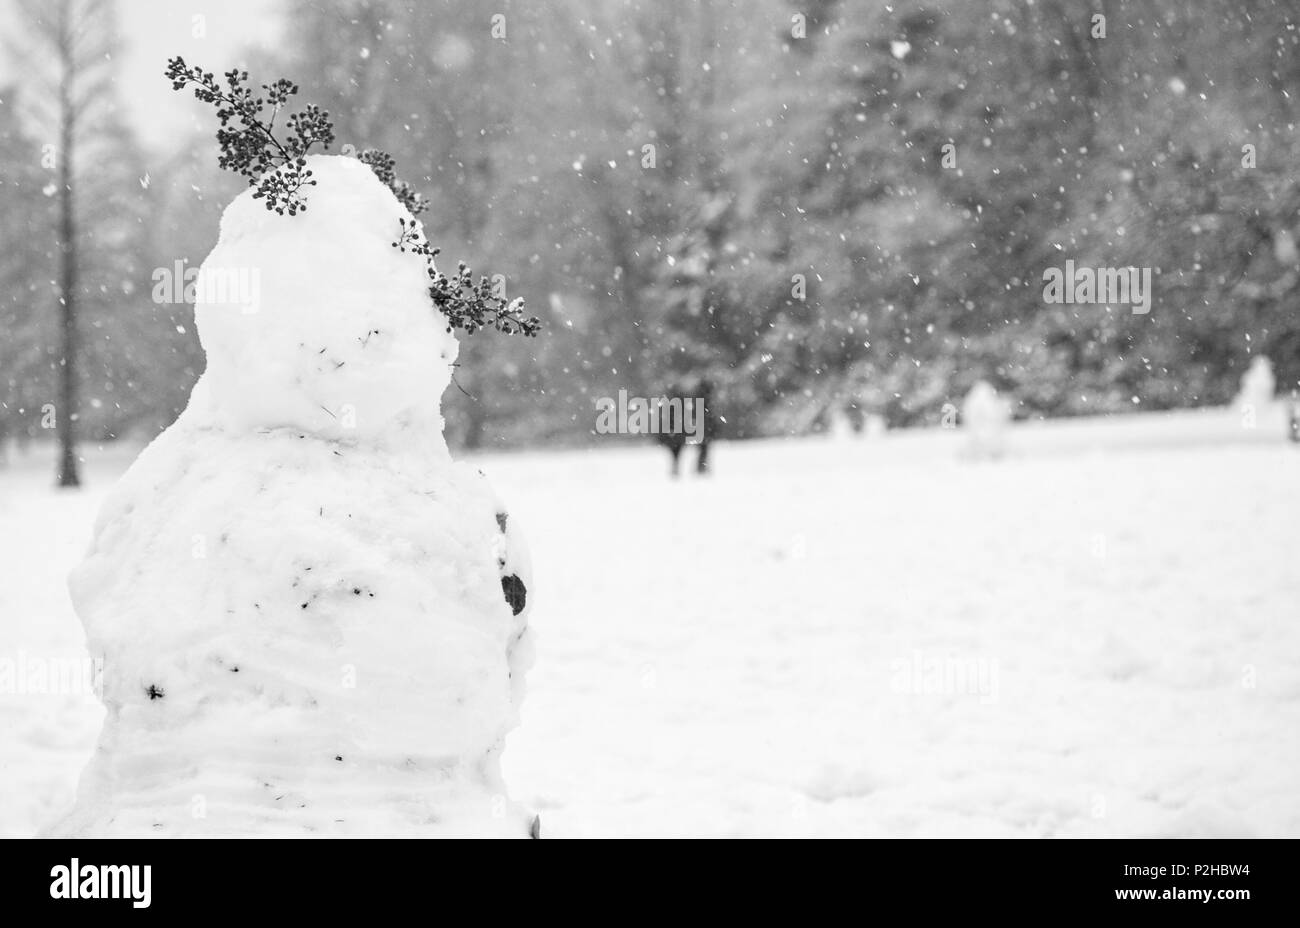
(1095, 635)
(296, 594)
(334, 333)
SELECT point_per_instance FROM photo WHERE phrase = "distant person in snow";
(695, 426)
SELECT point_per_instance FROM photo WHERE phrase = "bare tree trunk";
(67, 408)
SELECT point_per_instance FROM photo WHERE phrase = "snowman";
(984, 416)
(1256, 393)
(312, 621)
(839, 427)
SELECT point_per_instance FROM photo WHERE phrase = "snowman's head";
(316, 321)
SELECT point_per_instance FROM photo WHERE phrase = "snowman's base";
(390, 806)
(335, 657)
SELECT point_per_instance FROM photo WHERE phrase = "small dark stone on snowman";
(515, 591)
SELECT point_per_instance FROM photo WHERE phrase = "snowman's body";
(312, 620)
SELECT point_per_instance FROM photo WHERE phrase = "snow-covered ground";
(1096, 635)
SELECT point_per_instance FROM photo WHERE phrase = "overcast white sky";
(154, 30)
(213, 33)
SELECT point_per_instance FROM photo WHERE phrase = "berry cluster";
(277, 168)
(468, 305)
(384, 167)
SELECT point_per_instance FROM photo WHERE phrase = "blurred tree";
(67, 47)
(25, 268)
(932, 160)
(819, 205)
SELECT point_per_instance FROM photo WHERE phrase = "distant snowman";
(1255, 396)
(839, 427)
(984, 418)
(312, 621)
